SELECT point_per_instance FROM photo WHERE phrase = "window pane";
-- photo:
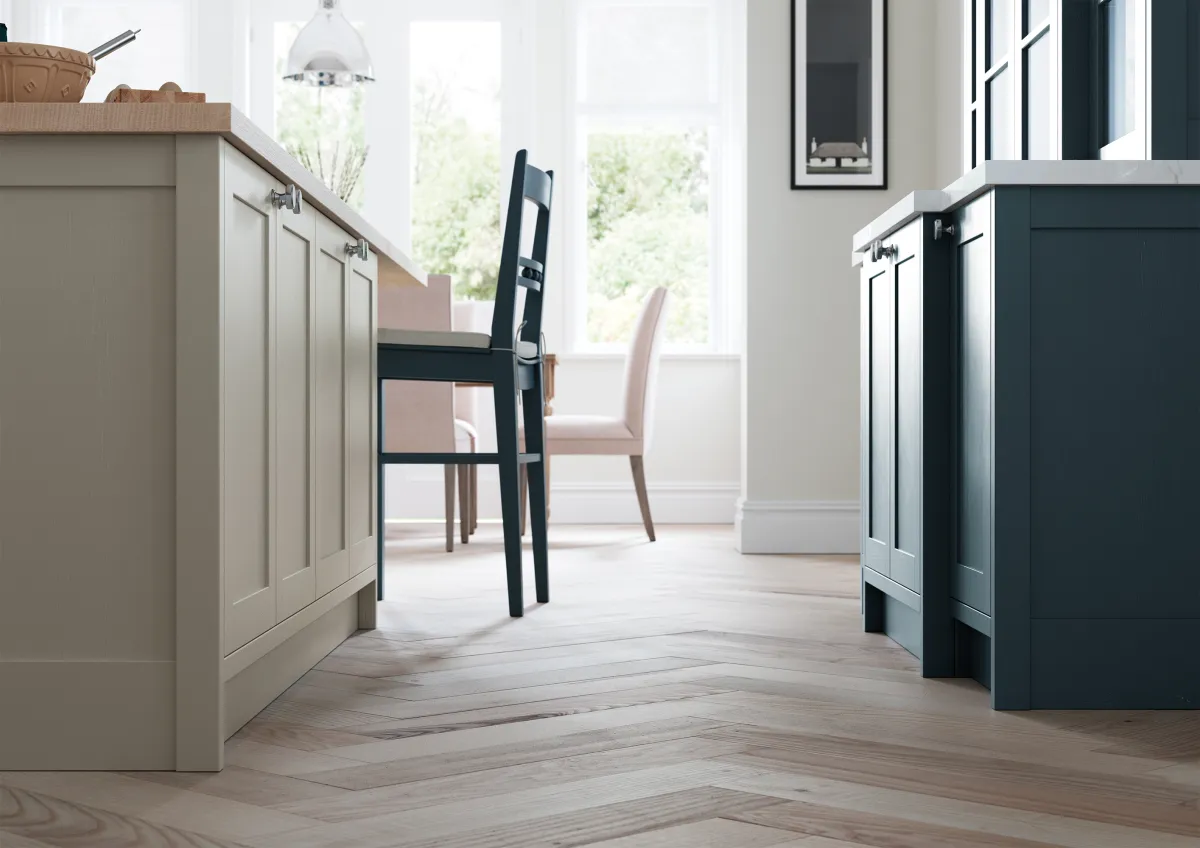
(1118, 54)
(322, 127)
(159, 55)
(647, 53)
(999, 30)
(457, 173)
(648, 226)
(1038, 118)
(999, 116)
(1036, 11)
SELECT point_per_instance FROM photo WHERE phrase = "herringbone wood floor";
(674, 695)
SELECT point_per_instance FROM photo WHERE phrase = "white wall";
(801, 370)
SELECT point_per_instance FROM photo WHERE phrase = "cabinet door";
(878, 318)
(294, 490)
(971, 406)
(907, 404)
(330, 408)
(360, 411)
(248, 555)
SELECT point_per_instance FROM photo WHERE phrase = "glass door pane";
(1117, 70)
(1038, 102)
(1000, 116)
(1036, 12)
(999, 30)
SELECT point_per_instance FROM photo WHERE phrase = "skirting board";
(254, 688)
(102, 715)
(421, 498)
(797, 527)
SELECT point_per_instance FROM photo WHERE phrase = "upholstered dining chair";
(422, 417)
(628, 435)
(511, 361)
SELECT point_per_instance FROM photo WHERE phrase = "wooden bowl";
(40, 73)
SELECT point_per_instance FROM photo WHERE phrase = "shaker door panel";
(878, 321)
(329, 430)
(295, 561)
(906, 488)
(972, 406)
(248, 553)
(360, 412)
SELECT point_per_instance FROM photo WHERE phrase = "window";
(655, 145)
(457, 175)
(419, 151)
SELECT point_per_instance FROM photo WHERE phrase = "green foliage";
(456, 196)
(647, 227)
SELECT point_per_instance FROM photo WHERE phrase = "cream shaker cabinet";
(297, 360)
(188, 409)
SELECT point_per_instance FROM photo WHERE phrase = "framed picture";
(839, 94)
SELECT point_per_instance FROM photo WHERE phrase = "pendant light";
(329, 51)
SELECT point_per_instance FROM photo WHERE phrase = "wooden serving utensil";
(168, 92)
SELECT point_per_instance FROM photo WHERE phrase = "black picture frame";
(839, 173)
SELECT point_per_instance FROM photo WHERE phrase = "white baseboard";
(797, 527)
(616, 503)
(421, 497)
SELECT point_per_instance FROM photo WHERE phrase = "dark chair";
(512, 362)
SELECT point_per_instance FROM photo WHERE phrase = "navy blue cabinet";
(1030, 402)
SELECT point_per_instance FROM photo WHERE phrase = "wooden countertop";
(395, 267)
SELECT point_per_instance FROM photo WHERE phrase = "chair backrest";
(471, 316)
(418, 417)
(641, 365)
(516, 270)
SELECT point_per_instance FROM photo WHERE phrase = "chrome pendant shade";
(329, 51)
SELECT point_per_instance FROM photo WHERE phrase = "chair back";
(641, 365)
(516, 269)
(418, 417)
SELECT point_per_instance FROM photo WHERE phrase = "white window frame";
(388, 171)
(725, 119)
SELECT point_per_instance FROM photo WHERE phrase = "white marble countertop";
(1076, 172)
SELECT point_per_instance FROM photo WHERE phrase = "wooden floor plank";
(409, 795)
(711, 833)
(877, 831)
(674, 695)
(448, 764)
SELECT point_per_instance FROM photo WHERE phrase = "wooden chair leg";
(450, 475)
(524, 497)
(508, 446)
(464, 503)
(535, 442)
(474, 499)
(639, 483)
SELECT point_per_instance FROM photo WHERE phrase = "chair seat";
(589, 434)
(449, 338)
(434, 338)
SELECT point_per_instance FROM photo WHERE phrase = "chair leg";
(450, 475)
(464, 503)
(535, 442)
(639, 483)
(507, 446)
(524, 497)
(474, 499)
